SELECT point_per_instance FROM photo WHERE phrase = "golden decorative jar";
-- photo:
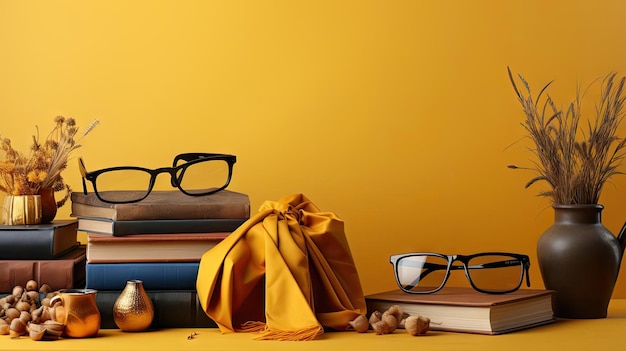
(21, 209)
(81, 314)
(133, 309)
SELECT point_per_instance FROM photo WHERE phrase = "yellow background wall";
(396, 115)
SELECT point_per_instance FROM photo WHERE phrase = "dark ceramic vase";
(579, 258)
(48, 205)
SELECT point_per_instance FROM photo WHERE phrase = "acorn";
(53, 329)
(17, 291)
(375, 317)
(360, 324)
(45, 302)
(4, 329)
(22, 306)
(32, 296)
(32, 285)
(40, 315)
(9, 299)
(12, 313)
(36, 331)
(17, 328)
(25, 317)
(45, 288)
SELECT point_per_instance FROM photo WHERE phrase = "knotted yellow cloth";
(287, 273)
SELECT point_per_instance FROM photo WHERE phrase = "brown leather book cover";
(459, 296)
(460, 309)
(164, 204)
(65, 272)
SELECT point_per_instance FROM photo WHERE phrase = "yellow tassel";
(291, 335)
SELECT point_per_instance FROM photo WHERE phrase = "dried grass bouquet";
(22, 174)
(575, 158)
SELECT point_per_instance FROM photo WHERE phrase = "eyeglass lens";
(489, 273)
(194, 178)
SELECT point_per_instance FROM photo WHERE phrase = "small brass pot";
(21, 209)
(133, 309)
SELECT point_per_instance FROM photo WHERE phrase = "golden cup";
(82, 317)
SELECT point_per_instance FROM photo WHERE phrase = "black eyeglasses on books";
(194, 174)
(487, 272)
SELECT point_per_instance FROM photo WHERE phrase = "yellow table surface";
(593, 334)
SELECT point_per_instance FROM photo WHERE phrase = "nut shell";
(32, 285)
(17, 327)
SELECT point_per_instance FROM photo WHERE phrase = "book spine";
(172, 309)
(123, 228)
(134, 212)
(155, 276)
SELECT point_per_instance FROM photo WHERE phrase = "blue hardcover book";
(155, 275)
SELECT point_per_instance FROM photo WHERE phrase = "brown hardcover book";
(65, 272)
(164, 204)
(460, 309)
(178, 247)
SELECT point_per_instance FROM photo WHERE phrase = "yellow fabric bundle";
(287, 273)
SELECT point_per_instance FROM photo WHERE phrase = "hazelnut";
(417, 325)
(375, 317)
(360, 324)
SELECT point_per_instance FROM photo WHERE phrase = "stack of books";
(48, 253)
(159, 241)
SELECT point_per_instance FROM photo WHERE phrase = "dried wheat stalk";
(575, 161)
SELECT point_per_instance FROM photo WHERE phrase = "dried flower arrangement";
(26, 175)
(575, 162)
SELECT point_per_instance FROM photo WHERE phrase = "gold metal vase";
(133, 309)
(21, 209)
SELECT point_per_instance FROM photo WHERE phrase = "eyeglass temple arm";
(83, 173)
(193, 156)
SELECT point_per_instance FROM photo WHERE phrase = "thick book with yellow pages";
(460, 309)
